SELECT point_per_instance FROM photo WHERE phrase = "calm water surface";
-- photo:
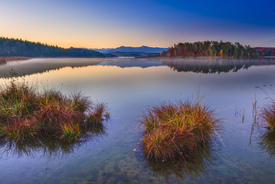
(129, 86)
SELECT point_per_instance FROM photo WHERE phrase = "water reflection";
(47, 146)
(128, 91)
(267, 142)
(133, 62)
(40, 65)
(189, 166)
(214, 65)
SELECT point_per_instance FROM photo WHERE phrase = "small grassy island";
(177, 129)
(27, 114)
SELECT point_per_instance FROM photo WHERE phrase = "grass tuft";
(97, 114)
(171, 129)
(26, 114)
(80, 103)
(71, 131)
(21, 129)
(268, 115)
(51, 116)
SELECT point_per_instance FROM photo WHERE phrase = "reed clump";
(25, 113)
(268, 115)
(176, 129)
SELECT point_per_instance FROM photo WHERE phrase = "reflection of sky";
(41, 65)
(110, 78)
(108, 23)
(128, 92)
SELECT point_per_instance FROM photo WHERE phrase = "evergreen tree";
(18, 47)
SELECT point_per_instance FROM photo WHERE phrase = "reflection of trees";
(199, 65)
(47, 146)
(267, 142)
(191, 166)
(35, 66)
(214, 65)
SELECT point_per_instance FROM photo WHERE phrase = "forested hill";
(18, 47)
(265, 51)
(211, 48)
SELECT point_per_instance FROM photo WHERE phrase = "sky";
(155, 23)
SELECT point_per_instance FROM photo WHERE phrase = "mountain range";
(139, 50)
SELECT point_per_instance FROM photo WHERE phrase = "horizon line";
(127, 45)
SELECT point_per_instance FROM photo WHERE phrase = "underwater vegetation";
(173, 130)
(26, 113)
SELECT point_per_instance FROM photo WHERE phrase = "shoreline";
(4, 60)
(208, 57)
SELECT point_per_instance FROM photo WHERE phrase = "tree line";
(211, 48)
(18, 47)
(265, 51)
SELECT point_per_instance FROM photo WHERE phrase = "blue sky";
(113, 23)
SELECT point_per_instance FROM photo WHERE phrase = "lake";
(129, 86)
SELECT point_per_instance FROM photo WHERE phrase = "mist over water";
(129, 86)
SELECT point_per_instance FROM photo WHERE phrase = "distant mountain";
(104, 50)
(18, 47)
(133, 50)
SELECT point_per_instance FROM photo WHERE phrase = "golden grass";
(171, 129)
(26, 114)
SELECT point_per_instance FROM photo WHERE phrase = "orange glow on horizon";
(101, 41)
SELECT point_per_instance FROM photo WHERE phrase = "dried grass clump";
(268, 115)
(26, 114)
(171, 129)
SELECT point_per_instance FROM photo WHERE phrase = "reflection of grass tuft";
(25, 113)
(190, 166)
(171, 129)
(267, 142)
